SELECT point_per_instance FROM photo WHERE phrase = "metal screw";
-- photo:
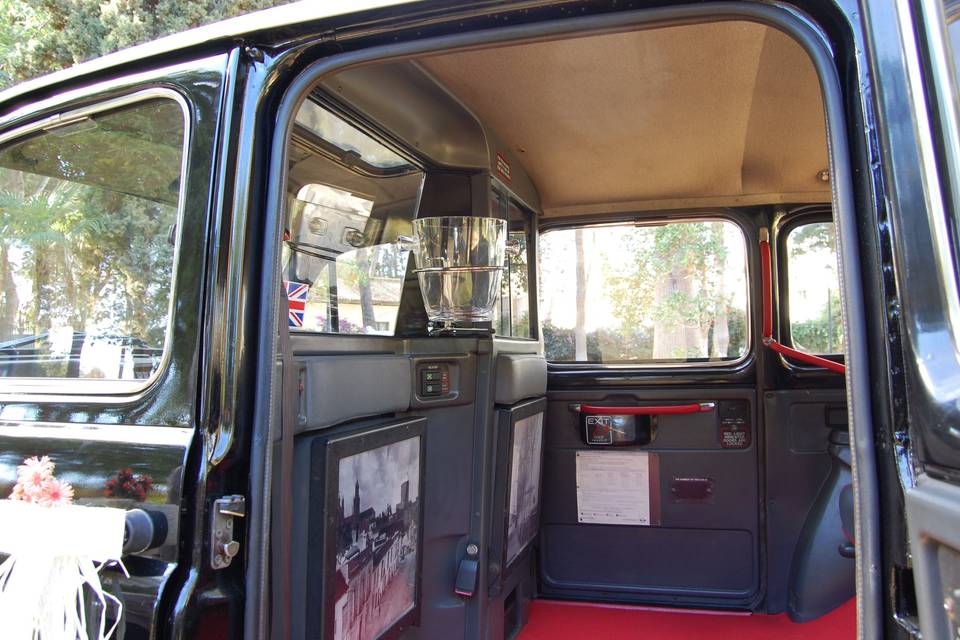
(823, 176)
(472, 549)
(253, 53)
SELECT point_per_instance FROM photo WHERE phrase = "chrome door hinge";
(223, 547)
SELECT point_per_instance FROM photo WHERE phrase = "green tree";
(823, 333)
(40, 36)
(675, 287)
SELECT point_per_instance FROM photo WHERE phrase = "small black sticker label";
(734, 434)
(503, 168)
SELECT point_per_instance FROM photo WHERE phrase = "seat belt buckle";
(468, 573)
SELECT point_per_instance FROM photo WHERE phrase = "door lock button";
(434, 381)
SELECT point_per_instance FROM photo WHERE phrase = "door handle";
(648, 410)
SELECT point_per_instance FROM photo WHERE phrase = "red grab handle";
(766, 284)
(766, 279)
(662, 410)
(809, 358)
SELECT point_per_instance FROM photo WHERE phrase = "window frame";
(502, 198)
(782, 324)
(659, 219)
(99, 386)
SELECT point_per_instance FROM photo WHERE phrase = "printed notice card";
(613, 487)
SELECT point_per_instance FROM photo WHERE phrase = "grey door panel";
(705, 549)
(520, 376)
(799, 463)
(343, 392)
(339, 388)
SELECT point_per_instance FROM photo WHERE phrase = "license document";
(613, 487)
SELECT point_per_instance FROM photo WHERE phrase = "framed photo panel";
(523, 512)
(519, 470)
(372, 534)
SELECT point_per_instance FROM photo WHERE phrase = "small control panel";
(443, 380)
(434, 380)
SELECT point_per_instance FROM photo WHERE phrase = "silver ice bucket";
(460, 261)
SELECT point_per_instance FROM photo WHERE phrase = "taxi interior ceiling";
(717, 114)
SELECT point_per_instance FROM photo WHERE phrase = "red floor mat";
(553, 620)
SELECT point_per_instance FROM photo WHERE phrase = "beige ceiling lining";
(753, 96)
(714, 114)
(707, 202)
(786, 139)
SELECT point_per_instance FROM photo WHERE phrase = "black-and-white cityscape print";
(378, 516)
(524, 484)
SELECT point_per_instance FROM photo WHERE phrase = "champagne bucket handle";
(406, 243)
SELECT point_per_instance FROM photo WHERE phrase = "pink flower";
(28, 492)
(55, 493)
(36, 484)
(34, 472)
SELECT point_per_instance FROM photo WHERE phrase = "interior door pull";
(649, 410)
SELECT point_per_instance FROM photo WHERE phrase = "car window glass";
(89, 215)
(513, 313)
(813, 289)
(347, 138)
(343, 269)
(667, 293)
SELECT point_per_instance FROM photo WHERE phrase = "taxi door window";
(643, 295)
(813, 289)
(89, 213)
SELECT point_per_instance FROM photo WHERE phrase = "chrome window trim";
(641, 365)
(938, 365)
(68, 387)
(119, 433)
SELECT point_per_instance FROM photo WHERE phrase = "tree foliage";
(821, 331)
(673, 302)
(87, 212)
(40, 36)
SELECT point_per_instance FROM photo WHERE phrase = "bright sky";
(813, 275)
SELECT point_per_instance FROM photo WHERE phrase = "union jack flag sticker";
(296, 302)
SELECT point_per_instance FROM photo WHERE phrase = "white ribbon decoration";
(53, 551)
